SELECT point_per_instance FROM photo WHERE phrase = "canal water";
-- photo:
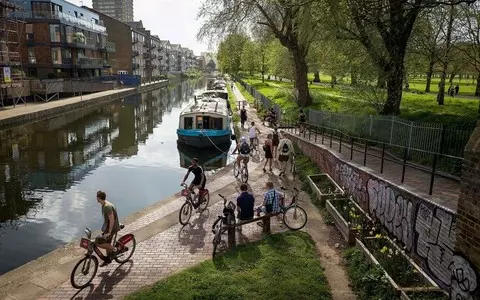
(51, 170)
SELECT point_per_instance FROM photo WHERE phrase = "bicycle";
(91, 261)
(293, 165)
(187, 207)
(254, 148)
(294, 209)
(243, 170)
(222, 223)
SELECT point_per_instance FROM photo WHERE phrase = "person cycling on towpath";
(244, 151)
(199, 180)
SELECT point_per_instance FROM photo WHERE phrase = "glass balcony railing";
(67, 18)
(90, 62)
(110, 46)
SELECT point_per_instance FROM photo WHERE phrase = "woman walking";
(275, 141)
(268, 148)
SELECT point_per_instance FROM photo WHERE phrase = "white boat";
(205, 123)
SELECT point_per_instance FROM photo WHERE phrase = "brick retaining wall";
(427, 229)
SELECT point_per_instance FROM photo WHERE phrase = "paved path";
(445, 191)
(165, 247)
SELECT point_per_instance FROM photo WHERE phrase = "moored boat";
(205, 123)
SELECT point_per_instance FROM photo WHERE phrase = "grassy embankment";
(282, 266)
(344, 99)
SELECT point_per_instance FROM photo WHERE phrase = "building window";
(57, 56)
(29, 32)
(69, 32)
(42, 10)
(31, 55)
(55, 35)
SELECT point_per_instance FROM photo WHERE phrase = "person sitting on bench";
(245, 204)
(271, 201)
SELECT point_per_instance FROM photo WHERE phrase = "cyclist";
(110, 227)
(252, 134)
(244, 152)
(199, 180)
(243, 116)
(302, 118)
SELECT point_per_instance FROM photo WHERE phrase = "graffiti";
(352, 182)
(436, 231)
(394, 212)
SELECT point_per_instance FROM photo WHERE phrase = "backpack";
(244, 148)
(285, 148)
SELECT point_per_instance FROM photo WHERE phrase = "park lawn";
(342, 99)
(282, 266)
(467, 86)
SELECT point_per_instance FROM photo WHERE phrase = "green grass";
(343, 99)
(467, 86)
(282, 266)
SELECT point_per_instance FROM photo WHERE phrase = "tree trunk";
(429, 75)
(301, 78)
(452, 76)
(441, 89)
(394, 87)
(316, 76)
(477, 90)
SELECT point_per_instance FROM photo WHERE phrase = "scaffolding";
(12, 39)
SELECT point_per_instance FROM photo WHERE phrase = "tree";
(470, 22)
(278, 59)
(384, 28)
(229, 55)
(292, 22)
(250, 60)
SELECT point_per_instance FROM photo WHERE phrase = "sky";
(174, 20)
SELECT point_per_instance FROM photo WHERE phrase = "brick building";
(64, 41)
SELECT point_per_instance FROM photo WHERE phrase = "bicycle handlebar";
(184, 185)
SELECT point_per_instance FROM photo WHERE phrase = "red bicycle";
(200, 202)
(88, 265)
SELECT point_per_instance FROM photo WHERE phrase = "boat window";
(187, 122)
(217, 123)
(202, 122)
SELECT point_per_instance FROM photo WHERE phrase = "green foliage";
(230, 52)
(367, 280)
(251, 271)
(251, 59)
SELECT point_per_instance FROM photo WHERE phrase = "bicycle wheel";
(217, 237)
(205, 200)
(185, 213)
(126, 249)
(235, 169)
(86, 269)
(244, 176)
(294, 217)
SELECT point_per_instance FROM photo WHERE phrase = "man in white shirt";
(252, 134)
(285, 150)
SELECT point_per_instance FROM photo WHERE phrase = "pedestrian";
(285, 147)
(245, 205)
(275, 141)
(457, 89)
(267, 147)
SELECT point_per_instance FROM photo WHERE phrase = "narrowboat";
(205, 123)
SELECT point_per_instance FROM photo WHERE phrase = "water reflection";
(50, 170)
(209, 159)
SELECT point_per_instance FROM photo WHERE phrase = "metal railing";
(438, 146)
(68, 18)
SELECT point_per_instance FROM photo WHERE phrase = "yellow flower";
(384, 249)
(359, 227)
(378, 235)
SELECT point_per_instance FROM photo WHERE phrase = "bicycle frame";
(90, 246)
(187, 193)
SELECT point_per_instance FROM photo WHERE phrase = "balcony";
(135, 53)
(146, 55)
(153, 46)
(66, 18)
(62, 61)
(153, 56)
(108, 63)
(136, 66)
(90, 63)
(110, 47)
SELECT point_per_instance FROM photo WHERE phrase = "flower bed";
(402, 273)
(431, 295)
(349, 218)
(324, 187)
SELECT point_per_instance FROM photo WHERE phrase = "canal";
(51, 170)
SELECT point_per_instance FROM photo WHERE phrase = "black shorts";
(197, 182)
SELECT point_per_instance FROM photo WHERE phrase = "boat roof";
(210, 105)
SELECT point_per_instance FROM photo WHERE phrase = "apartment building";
(121, 10)
(64, 41)
(176, 56)
(165, 53)
(155, 56)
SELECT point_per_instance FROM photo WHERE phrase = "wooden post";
(266, 225)
(231, 237)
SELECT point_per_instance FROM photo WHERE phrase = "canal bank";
(33, 112)
(50, 170)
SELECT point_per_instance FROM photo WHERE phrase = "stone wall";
(427, 230)
(468, 227)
